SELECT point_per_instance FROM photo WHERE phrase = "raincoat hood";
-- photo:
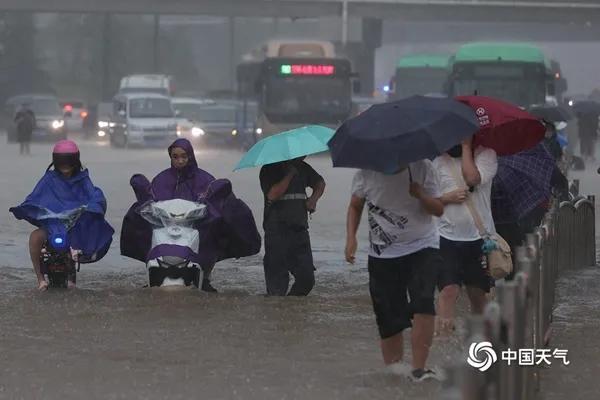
(186, 146)
(188, 183)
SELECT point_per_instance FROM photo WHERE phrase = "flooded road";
(114, 339)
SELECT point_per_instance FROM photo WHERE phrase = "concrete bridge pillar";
(106, 57)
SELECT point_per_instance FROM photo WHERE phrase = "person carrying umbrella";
(284, 178)
(521, 191)
(287, 242)
(398, 186)
(511, 133)
(466, 176)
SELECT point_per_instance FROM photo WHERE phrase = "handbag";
(498, 254)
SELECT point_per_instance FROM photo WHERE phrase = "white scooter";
(173, 237)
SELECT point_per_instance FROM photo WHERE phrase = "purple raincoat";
(190, 183)
(228, 231)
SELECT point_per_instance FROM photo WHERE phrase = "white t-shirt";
(457, 223)
(398, 224)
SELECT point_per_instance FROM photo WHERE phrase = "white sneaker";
(420, 375)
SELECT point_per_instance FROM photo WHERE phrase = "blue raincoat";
(55, 194)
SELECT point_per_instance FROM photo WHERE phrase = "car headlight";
(234, 132)
(112, 124)
(197, 132)
(102, 124)
(259, 131)
(101, 133)
(58, 123)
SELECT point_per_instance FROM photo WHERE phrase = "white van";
(160, 84)
(143, 119)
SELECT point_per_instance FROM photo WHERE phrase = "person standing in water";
(404, 256)
(25, 124)
(287, 242)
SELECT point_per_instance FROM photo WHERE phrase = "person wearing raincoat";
(66, 186)
(229, 230)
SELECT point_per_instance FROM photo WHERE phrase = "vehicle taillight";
(83, 114)
(68, 108)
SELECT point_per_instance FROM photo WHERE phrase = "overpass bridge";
(557, 11)
(563, 18)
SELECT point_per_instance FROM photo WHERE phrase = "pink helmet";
(65, 147)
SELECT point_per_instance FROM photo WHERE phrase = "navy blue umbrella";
(551, 113)
(388, 136)
(587, 107)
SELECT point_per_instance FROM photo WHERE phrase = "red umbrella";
(504, 127)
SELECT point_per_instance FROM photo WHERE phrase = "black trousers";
(288, 251)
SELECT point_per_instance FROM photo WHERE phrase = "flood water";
(114, 339)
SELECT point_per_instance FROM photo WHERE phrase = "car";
(49, 117)
(218, 120)
(143, 119)
(99, 121)
(188, 111)
(75, 112)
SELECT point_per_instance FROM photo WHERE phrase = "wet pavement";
(114, 339)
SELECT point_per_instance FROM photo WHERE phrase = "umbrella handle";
(410, 178)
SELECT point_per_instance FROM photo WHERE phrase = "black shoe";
(207, 287)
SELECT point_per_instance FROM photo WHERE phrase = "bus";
(296, 83)
(419, 74)
(515, 72)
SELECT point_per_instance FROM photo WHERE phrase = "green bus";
(419, 74)
(514, 72)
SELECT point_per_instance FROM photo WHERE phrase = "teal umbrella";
(287, 145)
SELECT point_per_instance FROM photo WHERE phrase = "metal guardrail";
(521, 314)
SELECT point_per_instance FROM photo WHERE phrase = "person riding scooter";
(227, 231)
(66, 186)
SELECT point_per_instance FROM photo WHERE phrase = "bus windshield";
(306, 99)
(419, 81)
(520, 85)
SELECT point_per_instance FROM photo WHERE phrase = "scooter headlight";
(58, 242)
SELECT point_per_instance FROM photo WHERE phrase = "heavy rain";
(188, 298)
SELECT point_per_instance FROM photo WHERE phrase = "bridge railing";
(520, 316)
